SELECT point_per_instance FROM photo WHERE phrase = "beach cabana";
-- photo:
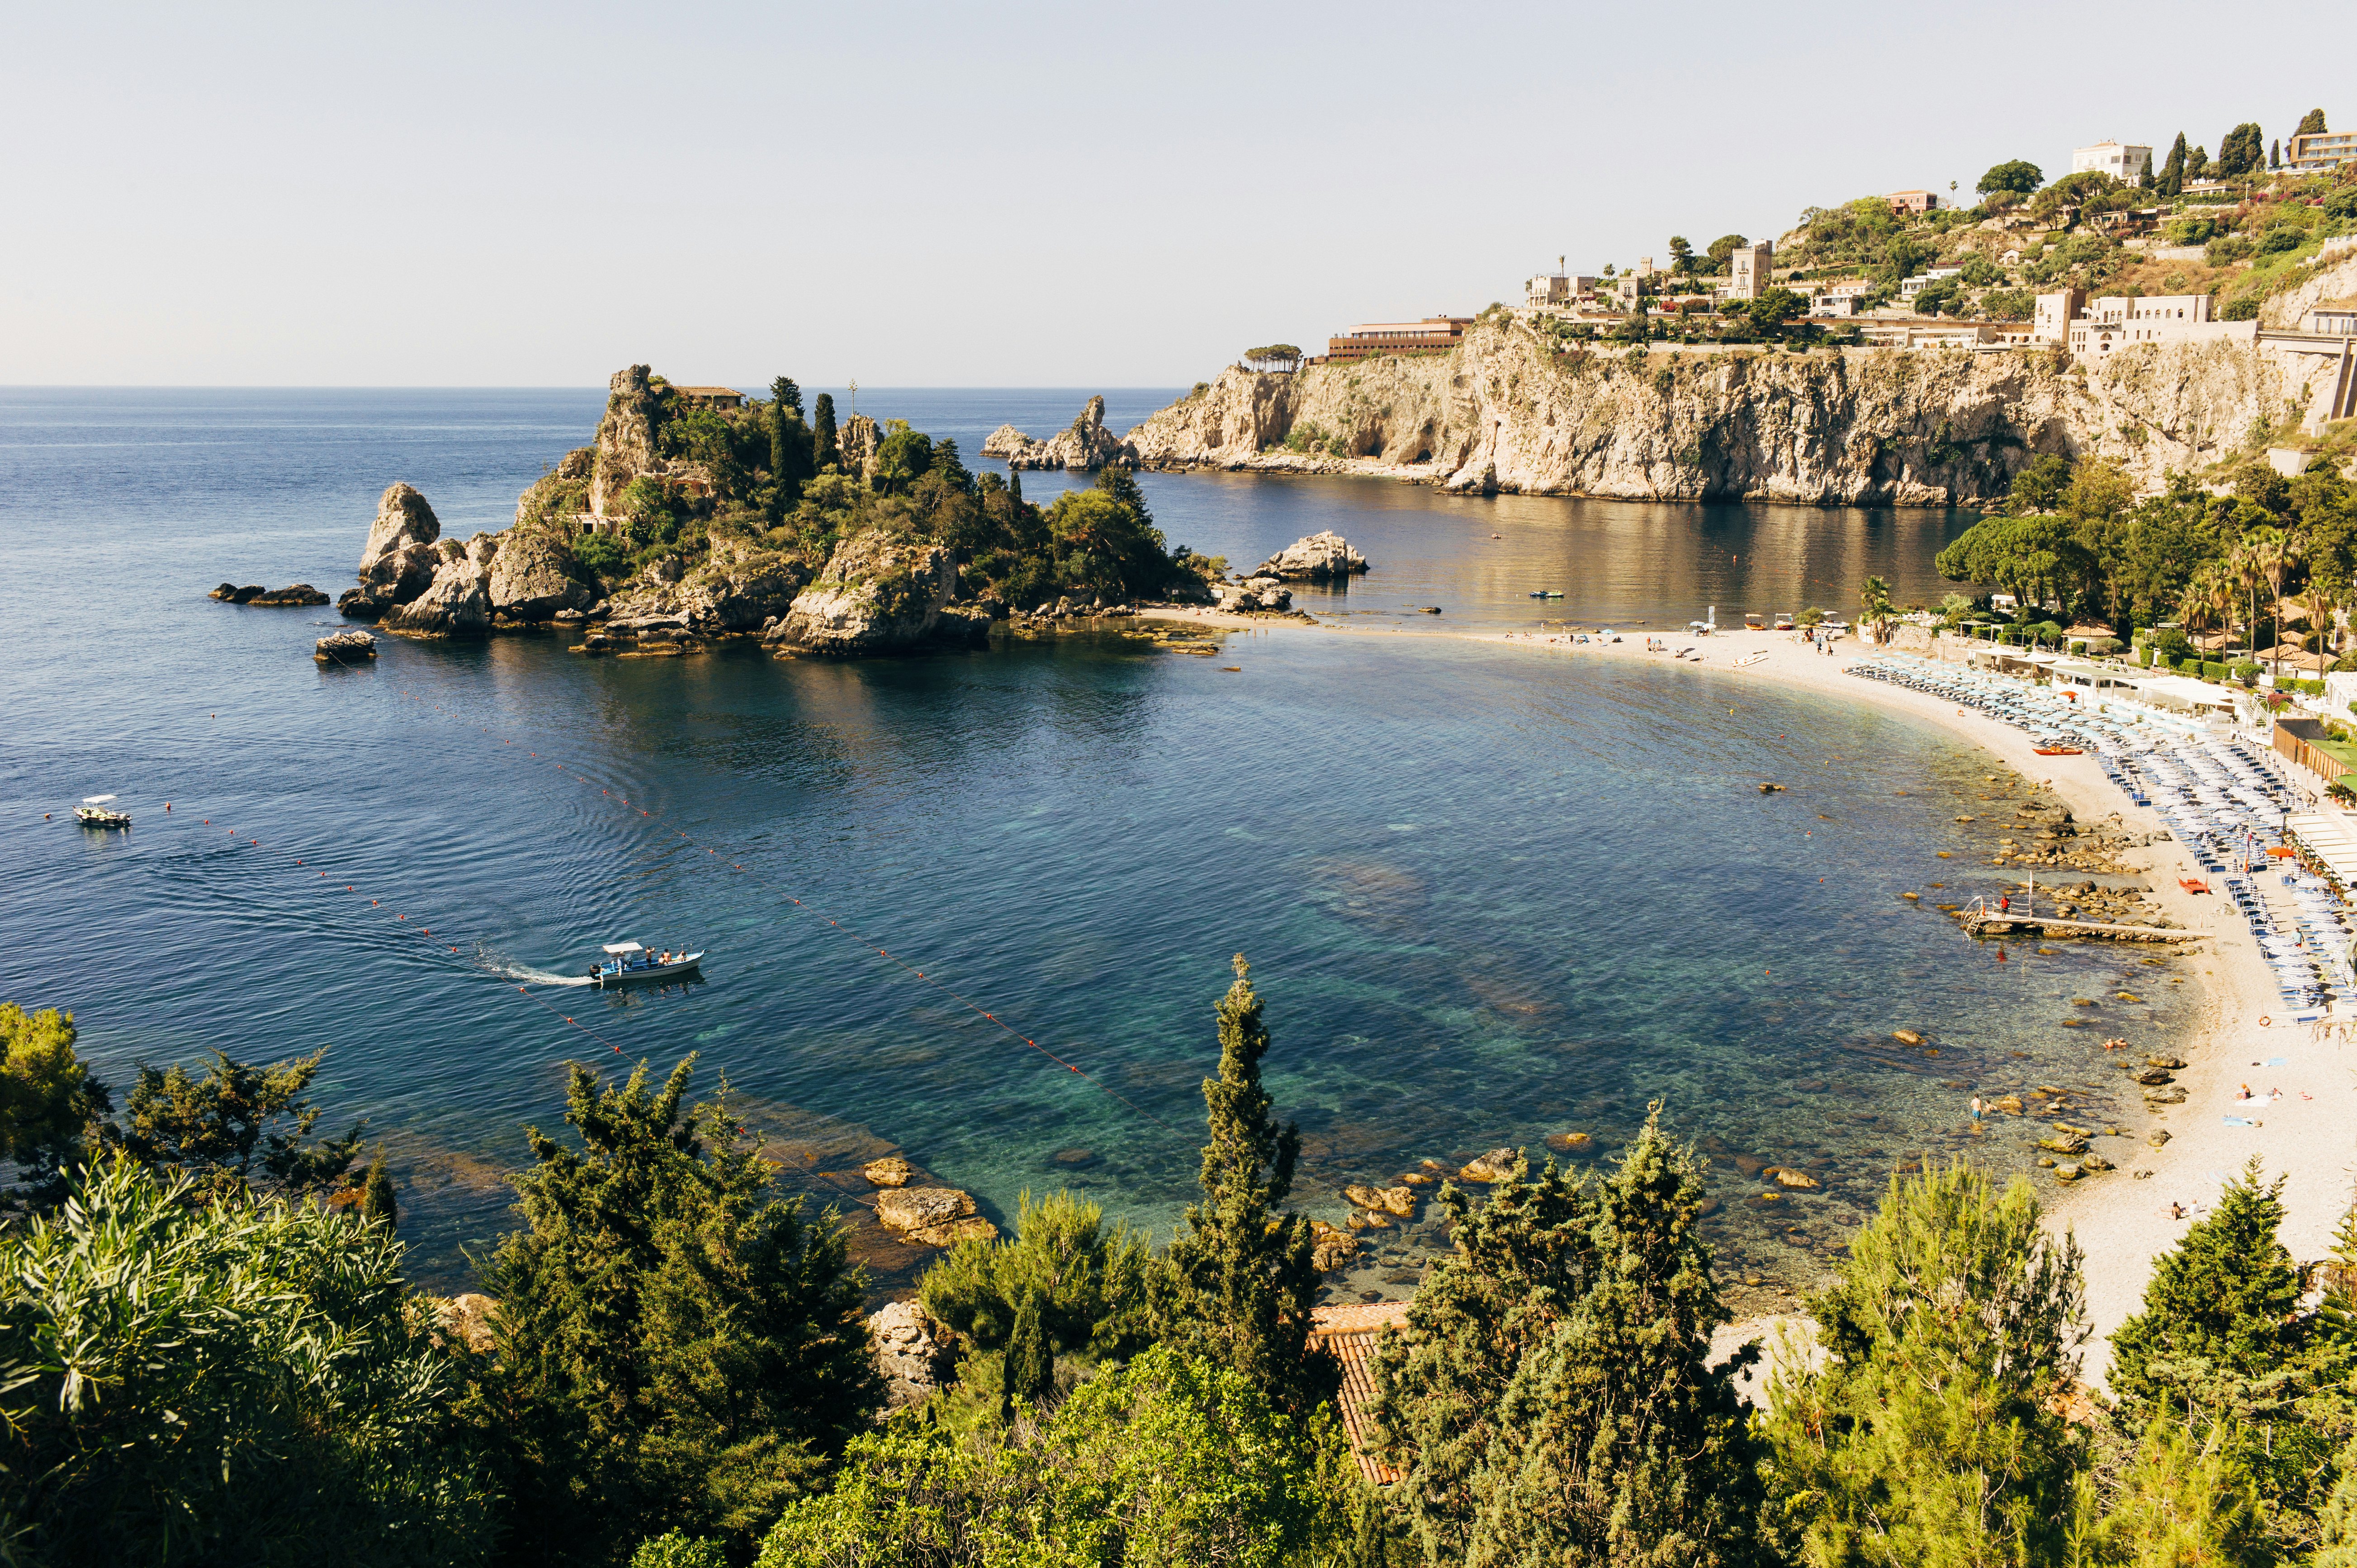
(2184, 694)
(2331, 837)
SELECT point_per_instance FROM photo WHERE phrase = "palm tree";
(1874, 604)
(2242, 561)
(2274, 552)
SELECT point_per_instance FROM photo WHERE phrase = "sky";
(1014, 195)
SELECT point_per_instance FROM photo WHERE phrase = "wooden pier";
(1991, 923)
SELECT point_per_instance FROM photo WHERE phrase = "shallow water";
(1488, 897)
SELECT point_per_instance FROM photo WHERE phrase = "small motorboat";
(1546, 592)
(629, 963)
(96, 813)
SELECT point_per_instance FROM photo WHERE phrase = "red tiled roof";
(1348, 1334)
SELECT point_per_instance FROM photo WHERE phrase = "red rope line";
(865, 941)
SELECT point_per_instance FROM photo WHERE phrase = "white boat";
(95, 812)
(629, 963)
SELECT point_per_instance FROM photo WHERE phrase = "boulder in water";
(1316, 557)
(1086, 444)
(399, 562)
(352, 647)
(1496, 1166)
(455, 604)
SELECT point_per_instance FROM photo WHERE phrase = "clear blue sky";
(917, 194)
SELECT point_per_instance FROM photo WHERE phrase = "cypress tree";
(1933, 1429)
(825, 450)
(1027, 1370)
(2172, 172)
(376, 1193)
(2275, 155)
(1618, 1442)
(2311, 124)
(1238, 1283)
(1519, 1263)
(785, 394)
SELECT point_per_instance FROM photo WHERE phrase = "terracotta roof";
(705, 391)
(1348, 1333)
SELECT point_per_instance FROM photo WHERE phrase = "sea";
(977, 908)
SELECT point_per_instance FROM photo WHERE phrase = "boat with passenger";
(97, 812)
(634, 963)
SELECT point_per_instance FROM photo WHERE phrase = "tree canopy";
(2017, 174)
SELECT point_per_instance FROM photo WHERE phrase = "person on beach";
(2245, 1094)
(2177, 1211)
(1976, 1110)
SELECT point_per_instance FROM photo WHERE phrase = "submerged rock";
(1496, 1166)
(889, 1171)
(932, 1216)
(294, 594)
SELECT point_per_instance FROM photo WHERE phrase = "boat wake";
(524, 971)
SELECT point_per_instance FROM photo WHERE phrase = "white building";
(2094, 329)
(2125, 163)
(1910, 287)
(1749, 270)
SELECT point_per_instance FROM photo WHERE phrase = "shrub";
(2213, 671)
(2241, 307)
(2226, 249)
(2247, 672)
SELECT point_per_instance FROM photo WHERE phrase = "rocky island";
(684, 522)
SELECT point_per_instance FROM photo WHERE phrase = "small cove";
(1488, 898)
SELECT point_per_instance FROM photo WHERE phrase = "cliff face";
(1504, 412)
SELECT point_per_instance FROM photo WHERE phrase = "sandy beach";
(2121, 1219)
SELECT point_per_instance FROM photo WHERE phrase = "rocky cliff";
(1085, 444)
(1925, 427)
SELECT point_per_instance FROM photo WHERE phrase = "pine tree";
(1238, 1285)
(2177, 1502)
(2311, 124)
(825, 450)
(1618, 1442)
(676, 1349)
(2220, 1305)
(785, 394)
(1519, 1263)
(1933, 1433)
(376, 1194)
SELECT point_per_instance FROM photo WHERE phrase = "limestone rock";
(921, 1208)
(399, 561)
(1316, 557)
(1086, 444)
(972, 1228)
(464, 1321)
(1505, 410)
(889, 1171)
(2173, 1095)
(1330, 1246)
(1799, 1179)
(1399, 1200)
(456, 604)
(1569, 1142)
(739, 588)
(354, 647)
(626, 437)
(1253, 593)
(910, 1354)
(533, 576)
(881, 593)
(1495, 1165)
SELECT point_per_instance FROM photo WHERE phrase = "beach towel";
(2241, 1121)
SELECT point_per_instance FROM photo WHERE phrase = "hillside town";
(2119, 251)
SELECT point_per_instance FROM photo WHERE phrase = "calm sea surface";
(1488, 897)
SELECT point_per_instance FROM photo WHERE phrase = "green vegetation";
(204, 1366)
(2233, 562)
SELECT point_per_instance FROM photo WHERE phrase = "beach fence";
(2296, 738)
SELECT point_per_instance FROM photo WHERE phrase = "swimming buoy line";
(861, 938)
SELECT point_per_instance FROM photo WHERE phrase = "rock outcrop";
(534, 575)
(254, 594)
(910, 1355)
(881, 593)
(1925, 427)
(932, 1216)
(1086, 444)
(399, 562)
(345, 648)
(1251, 593)
(626, 437)
(1316, 558)
(457, 602)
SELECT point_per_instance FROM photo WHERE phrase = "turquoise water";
(1488, 896)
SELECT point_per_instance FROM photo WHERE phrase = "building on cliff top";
(2125, 163)
(1432, 335)
(1749, 269)
(2320, 150)
(1913, 203)
(710, 397)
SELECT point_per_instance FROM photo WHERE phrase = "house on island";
(723, 399)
